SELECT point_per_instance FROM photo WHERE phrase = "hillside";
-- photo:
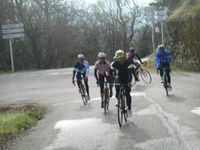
(183, 30)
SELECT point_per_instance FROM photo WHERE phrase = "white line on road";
(196, 111)
(54, 73)
(134, 94)
(184, 135)
(79, 134)
(59, 73)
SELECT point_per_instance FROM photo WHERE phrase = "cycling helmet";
(120, 54)
(101, 55)
(81, 56)
(161, 48)
(131, 49)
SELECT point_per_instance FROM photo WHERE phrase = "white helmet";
(101, 55)
(81, 56)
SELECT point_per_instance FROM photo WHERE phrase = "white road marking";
(67, 73)
(134, 94)
(184, 135)
(82, 134)
(59, 73)
(54, 73)
(196, 111)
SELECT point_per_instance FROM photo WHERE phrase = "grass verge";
(15, 119)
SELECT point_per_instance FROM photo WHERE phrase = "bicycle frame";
(122, 104)
(106, 97)
(82, 90)
(144, 75)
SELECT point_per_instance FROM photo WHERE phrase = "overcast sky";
(143, 2)
(140, 2)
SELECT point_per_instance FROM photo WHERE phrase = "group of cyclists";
(121, 70)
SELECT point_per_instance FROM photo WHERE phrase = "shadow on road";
(130, 131)
(176, 99)
(140, 87)
(85, 108)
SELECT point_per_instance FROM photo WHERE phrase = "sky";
(143, 2)
(140, 2)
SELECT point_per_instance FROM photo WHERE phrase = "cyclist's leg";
(129, 100)
(161, 73)
(101, 84)
(134, 74)
(168, 76)
(111, 91)
(128, 96)
(117, 88)
(86, 85)
(78, 77)
(110, 81)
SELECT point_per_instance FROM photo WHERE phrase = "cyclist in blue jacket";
(163, 59)
(81, 69)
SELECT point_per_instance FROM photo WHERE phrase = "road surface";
(158, 122)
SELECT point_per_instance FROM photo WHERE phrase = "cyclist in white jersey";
(102, 70)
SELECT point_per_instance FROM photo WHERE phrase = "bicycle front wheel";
(146, 76)
(120, 113)
(106, 100)
(83, 95)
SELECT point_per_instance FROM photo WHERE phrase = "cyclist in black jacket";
(124, 68)
(132, 56)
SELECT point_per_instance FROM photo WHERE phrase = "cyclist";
(163, 59)
(81, 69)
(132, 56)
(124, 72)
(101, 71)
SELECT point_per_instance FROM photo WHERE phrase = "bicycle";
(166, 80)
(106, 97)
(121, 105)
(82, 91)
(144, 74)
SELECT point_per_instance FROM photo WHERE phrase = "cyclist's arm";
(157, 62)
(130, 71)
(74, 72)
(87, 66)
(113, 70)
(95, 74)
(169, 57)
(138, 57)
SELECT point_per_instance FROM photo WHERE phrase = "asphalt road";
(158, 122)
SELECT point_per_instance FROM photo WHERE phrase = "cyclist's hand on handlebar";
(97, 82)
(85, 78)
(130, 84)
(73, 82)
(158, 70)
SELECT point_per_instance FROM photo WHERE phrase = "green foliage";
(183, 35)
(187, 9)
(142, 41)
(151, 62)
(56, 31)
(15, 120)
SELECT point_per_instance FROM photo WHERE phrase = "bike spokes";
(145, 75)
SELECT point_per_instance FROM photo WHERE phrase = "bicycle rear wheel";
(166, 85)
(124, 109)
(120, 113)
(106, 100)
(146, 76)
